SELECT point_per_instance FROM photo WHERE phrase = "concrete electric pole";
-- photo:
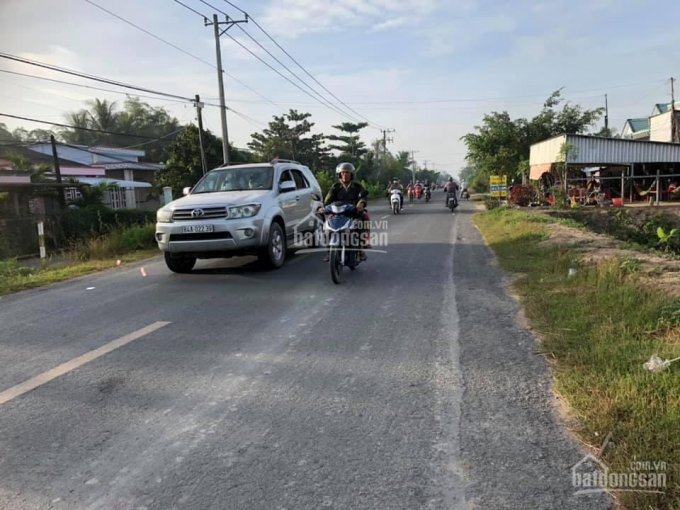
(223, 108)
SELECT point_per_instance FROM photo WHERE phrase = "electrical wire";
(76, 127)
(90, 76)
(303, 82)
(150, 33)
(298, 64)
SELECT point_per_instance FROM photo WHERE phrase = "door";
(304, 200)
(288, 201)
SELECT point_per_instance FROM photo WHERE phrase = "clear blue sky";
(429, 69)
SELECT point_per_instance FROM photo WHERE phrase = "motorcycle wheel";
(395, 208)
(336, 265)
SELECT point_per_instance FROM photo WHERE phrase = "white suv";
(240, 210)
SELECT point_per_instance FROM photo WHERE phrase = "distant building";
(657, 127)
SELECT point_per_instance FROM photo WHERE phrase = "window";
(300, 180)
(285, 176)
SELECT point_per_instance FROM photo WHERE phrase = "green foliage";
(326, 180)
(665, 238)
(94, 220)
(492, 202)
(117, 241)
(288, 137)
(136, 118)
(501, 145)
(183, 166)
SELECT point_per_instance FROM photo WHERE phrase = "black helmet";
(344, 167)
(450, 179)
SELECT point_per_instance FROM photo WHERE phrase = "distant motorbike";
(419, 191)
(427, 193)
(395, 201)
(411, 194)
(451, 201)
(344, 242)
(465, 195)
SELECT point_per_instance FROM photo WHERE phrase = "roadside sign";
(499, 186)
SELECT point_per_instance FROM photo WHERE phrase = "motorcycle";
(428, 193)
(411, 194)
(419, 191)
(395, 201)
(451, 201)
(465, 195)
(344, 242)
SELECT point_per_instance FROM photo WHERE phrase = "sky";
(427, 69)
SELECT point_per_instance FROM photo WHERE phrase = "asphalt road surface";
(411, 385)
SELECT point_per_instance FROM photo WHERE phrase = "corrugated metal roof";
(638, 124)
(593, 150)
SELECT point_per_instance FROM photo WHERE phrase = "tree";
(183, 166)
(136, 123)
(502, 145)
(350, 146)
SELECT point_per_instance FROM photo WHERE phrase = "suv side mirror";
(186, 191)
(286, 186)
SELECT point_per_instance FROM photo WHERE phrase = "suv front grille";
(204, 236)
(199, 213)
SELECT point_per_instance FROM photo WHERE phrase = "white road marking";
(385, 217)
(66, 367)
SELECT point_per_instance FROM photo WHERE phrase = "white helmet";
(344, 167)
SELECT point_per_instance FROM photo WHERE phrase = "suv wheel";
(179, 263)
(274, 254)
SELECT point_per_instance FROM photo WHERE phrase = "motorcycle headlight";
(164, 216)
(244, 211)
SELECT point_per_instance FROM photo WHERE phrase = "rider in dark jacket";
(349, 191)
(451, 188)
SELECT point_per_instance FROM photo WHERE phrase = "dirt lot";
(658, 269)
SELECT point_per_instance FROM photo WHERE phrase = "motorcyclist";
(451, 187)
(349, 191)
(397, 185)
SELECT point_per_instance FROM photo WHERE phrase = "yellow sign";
(499, 185)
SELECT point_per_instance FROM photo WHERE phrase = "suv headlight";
(244, 211)
(164, 216)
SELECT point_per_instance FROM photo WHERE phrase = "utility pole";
(674, 126)
(223, 108)
(384, 144)
(413, 167)
(606, 115)
(57, 172)
(199, 108)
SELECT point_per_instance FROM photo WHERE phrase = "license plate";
(196, 229)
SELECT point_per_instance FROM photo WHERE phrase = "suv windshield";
(235, 179)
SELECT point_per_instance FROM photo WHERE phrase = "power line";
(149, 33)
(288, 79)
(227, 74)
(89, 76)
(300, 65)
(76, 127)
(181, 49)
(303, 82)
(125, 93)
(83, 85)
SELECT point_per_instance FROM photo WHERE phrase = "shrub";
(521, 195)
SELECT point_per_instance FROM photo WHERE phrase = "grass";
(597, 329)
(126, 244)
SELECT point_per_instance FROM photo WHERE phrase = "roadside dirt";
(657, 270)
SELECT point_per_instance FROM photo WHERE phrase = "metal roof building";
(596, 151)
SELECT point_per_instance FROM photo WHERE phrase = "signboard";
(499, 186)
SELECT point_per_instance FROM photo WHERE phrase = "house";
(97, 165)
(658, 127)
(636, 129)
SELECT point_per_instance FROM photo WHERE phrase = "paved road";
(409, 386)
